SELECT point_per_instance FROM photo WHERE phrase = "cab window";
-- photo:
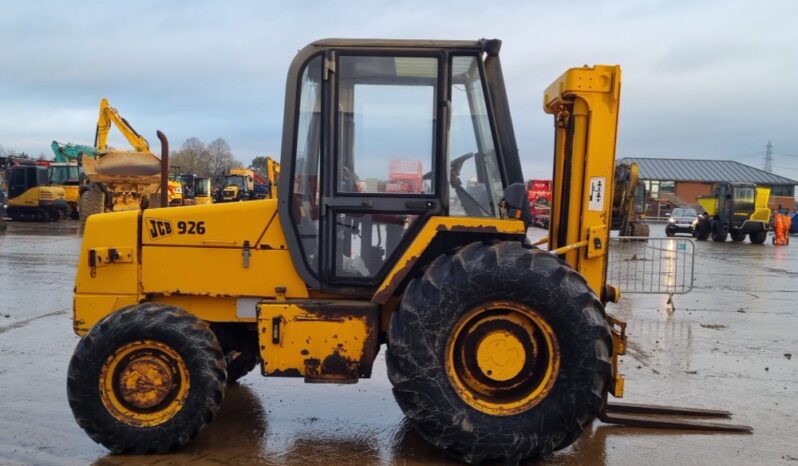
(386, 124)
(305, 198)
(475, 183)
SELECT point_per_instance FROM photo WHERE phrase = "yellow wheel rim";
(502, 358)
(144, 383)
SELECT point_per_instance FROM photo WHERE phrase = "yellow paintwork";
(109, 116)
(585, 102)
(215, 260)
(140, 375)
(204, 271)
(761, 210)
(297, 342)
(34, 196)
(230, 193)
(588, 98)
(273, 175)
(424, 237)
(175, 192)
(71, 194)
(500, 358)
(618, 330)
(709, 204)
(501, 355)
(89, 308)
(127, 190)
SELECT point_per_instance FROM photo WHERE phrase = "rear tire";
(758, 237)
(146, 378)
(91, 202)
(239, 364)
(431, 317)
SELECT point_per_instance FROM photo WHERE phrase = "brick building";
(679, 182)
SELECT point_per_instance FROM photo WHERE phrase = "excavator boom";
(109, 116)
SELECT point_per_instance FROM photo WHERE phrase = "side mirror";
(516, 203)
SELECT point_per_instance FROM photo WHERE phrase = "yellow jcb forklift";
(495, 349)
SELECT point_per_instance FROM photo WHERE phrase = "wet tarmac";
(729, 344)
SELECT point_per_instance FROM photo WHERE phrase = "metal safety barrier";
(651, 265)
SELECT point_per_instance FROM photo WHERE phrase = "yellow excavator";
(629, 202)
(497, 350)
(30, 196)
(122, 180)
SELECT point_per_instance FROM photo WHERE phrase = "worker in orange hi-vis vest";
(778, 230)
(787, 224)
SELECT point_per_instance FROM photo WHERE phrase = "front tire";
(146, 378)
(719, 234)
(670, 231)
(702, 229)
(454, 346)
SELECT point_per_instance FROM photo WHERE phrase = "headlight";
(671, 220)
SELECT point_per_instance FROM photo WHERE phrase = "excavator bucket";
(139, 168)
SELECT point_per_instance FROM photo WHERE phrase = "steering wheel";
(471, 206)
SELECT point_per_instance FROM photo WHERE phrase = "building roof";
(710, 171)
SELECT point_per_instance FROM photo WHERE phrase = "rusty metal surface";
(724, 346)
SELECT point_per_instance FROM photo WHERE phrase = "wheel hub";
(502, 358)
(144, 383)
(500, 355)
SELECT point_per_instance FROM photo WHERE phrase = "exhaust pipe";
(164, 169)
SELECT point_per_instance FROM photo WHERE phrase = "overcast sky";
(702, 79)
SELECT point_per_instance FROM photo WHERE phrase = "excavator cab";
(69, 176)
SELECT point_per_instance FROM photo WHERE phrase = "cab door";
(384, 178)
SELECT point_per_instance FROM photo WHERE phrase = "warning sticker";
(598, 186)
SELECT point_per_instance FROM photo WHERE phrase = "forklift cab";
(736, 203)
(380, 136)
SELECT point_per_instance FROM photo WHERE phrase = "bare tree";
(259, 164)
(221, 158)
(192, 157)
(212, 160)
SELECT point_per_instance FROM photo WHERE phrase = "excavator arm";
(109, 116)
(65, 153)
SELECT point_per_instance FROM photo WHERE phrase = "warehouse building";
(679, 182)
